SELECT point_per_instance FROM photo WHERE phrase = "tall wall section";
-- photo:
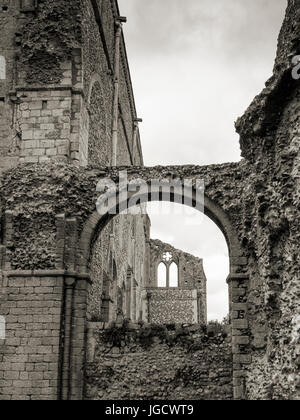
(56, 96)
(270, 141)
(56, 107)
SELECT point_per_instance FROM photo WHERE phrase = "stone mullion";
(168, 275)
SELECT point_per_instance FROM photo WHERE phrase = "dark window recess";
(5, 8)
(44, 104)
(2, 100)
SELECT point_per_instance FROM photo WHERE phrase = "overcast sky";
(196, 65)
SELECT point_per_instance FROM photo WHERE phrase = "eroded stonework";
(62, 264)
(158, 364)
(270, 140)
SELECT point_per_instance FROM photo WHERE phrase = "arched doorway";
(237, 280)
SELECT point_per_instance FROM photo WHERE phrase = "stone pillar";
(78, 344)
(32, 306)
(238, 285)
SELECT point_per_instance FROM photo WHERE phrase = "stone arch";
(99, 154)
(97, 222)
(161, 270)
(238, 278)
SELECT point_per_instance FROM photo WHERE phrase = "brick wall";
(30, 354)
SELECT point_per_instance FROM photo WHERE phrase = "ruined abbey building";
(176, 287)
(68, 120)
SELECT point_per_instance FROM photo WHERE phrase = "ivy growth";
(117, 336)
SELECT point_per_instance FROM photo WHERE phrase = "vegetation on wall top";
(145, 335)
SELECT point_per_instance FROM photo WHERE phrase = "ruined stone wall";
(9, 138)
(69, 194)
(270, 141)
(189, 302)
(153, 363)
(249, 328)
(41, 204)
(44, 67)
(35, 191)
(56, 100)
